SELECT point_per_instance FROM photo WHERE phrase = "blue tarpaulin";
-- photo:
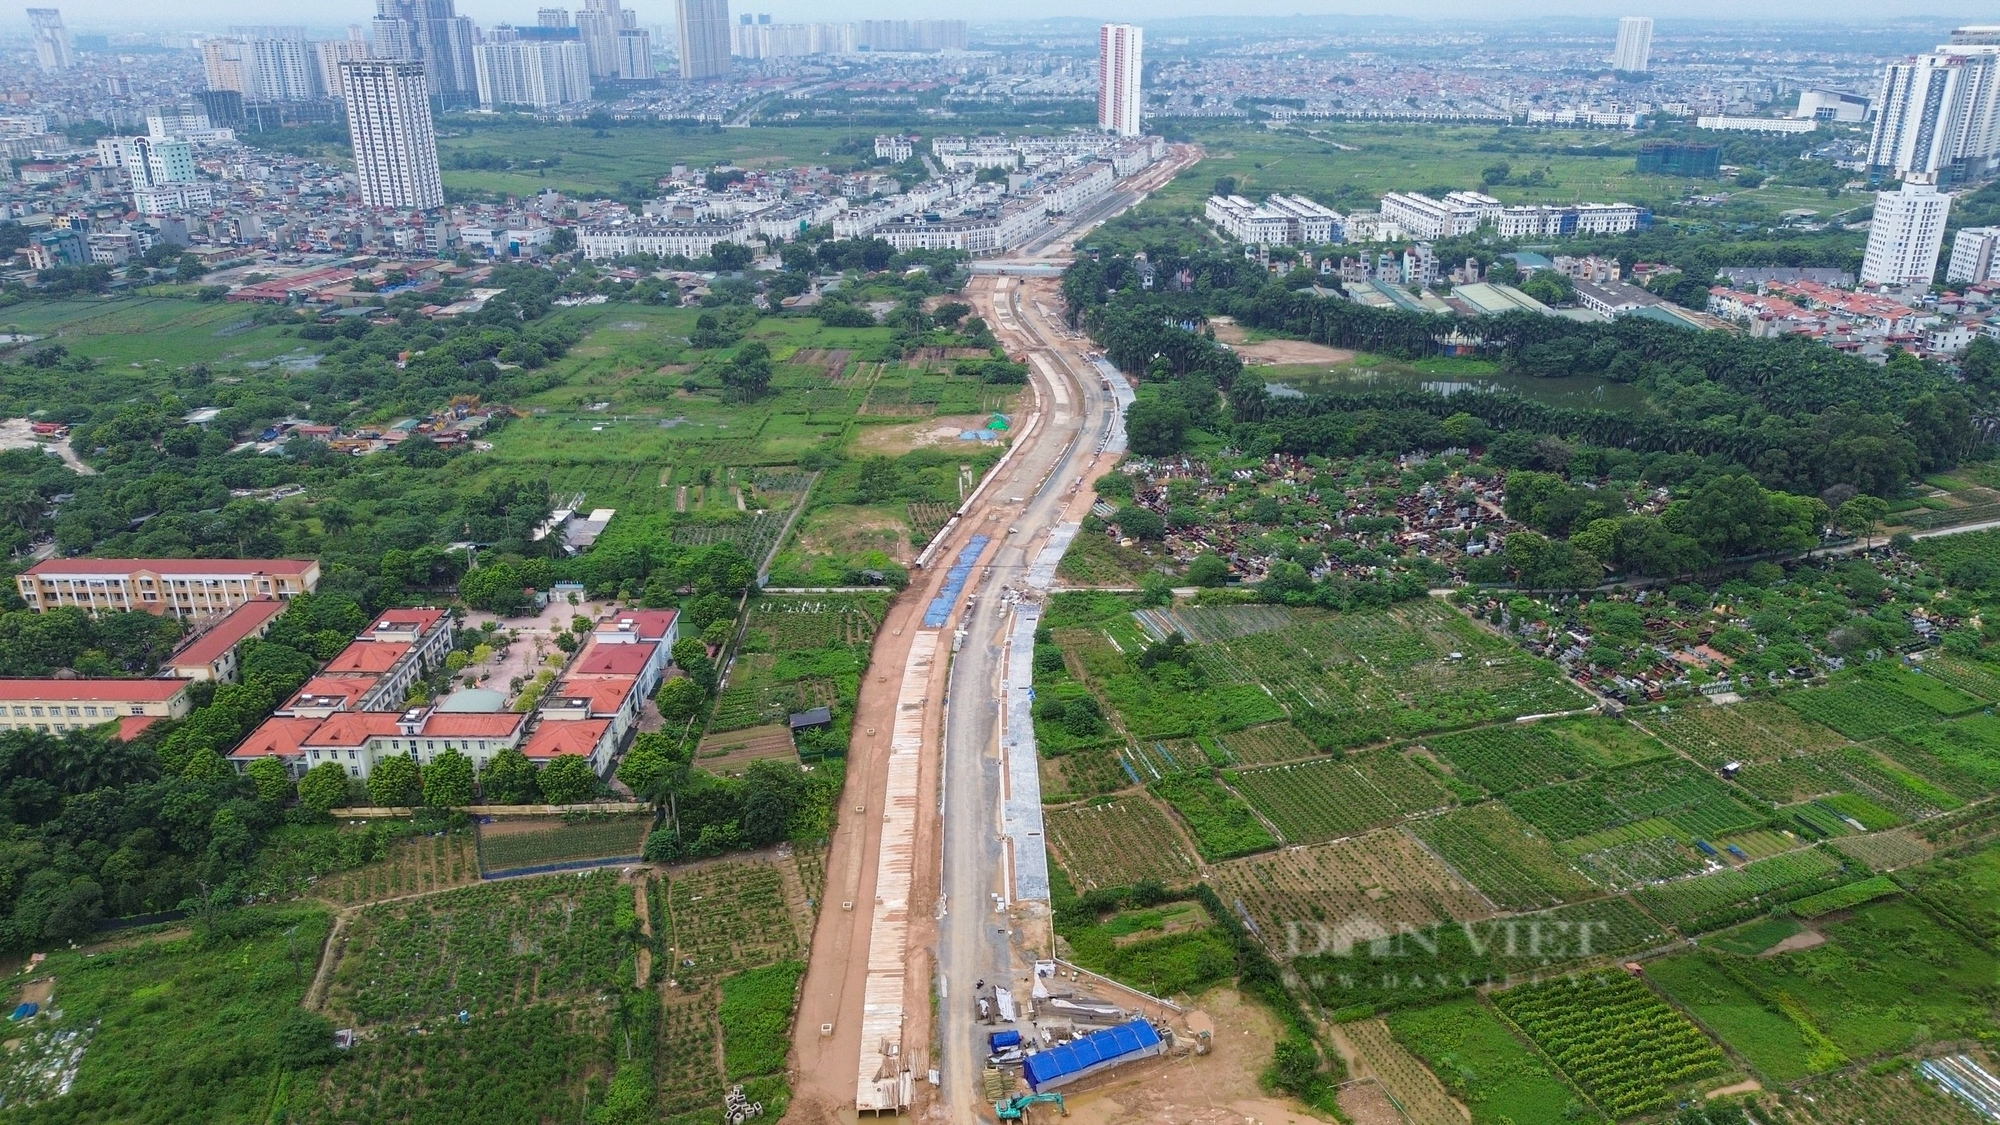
(954, 583)
(25, 1011)
(1058, 1065)
(1001, 1040)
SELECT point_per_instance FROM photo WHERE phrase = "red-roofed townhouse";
(645, 660)
(282, 737)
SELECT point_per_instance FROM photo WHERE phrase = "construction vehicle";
(1016, 1109)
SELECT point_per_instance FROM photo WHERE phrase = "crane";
(1016, 1109)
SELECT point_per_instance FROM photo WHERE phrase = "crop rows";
(1119, 843)
(1637, 862)
(1961, 756)
(1684, 901)
(1841, 898)
(1272, 742)
(603, 837)
(687, 1078)
(1624, 1045)
(530, 1065)
(1209, 624)
(1319, 800)
(1222, 825)
(485, 949)
(1852, 769)
(1861, 708)
(1417, 1091)
(753, 535)
(1384, 875)
(1502, 855)
(807, 624)
(423, 864)
(730, 916)
(1085, 772)
(1967, 676)
(1504, 759)
(1883, 851)
(1751, 731)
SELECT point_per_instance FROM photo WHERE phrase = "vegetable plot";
(1625, 1046)
(1323, 799)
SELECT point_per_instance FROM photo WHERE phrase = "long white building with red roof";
(181, 587)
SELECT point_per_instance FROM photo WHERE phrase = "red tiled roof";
(607, 694)
(497, 724)
(93, 691)
(171, 566)
(367, 658)
(353, 728)
(580, 737)
(227, 633)
(349, 688)
(615, 660)
(401, 620)
(649, 624)
(132, 726)
(282, 735)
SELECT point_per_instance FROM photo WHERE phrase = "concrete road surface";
(980, 938)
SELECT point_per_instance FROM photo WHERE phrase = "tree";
(749, 373)
(681, 699)
(1208, 569)
(448, 781)
(510, 779)
(692, 658)
(304, 1038)
(1141, 523)
(272, 780)
(395, 781)
(1156, 429)
(1862, 515)
(568, 780)
(324, 787)
(773, 791)
(207, 766)
(649, 767)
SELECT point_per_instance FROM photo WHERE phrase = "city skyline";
(194, 14)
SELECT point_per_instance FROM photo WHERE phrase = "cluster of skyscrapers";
(1938, 115)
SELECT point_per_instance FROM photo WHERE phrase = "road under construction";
(937, 879)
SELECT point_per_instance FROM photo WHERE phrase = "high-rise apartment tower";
(704, 38)
(1634, 53)
(1906, 234)
(1120, 59)
(1939, 113)
(53, 49)
(395, 144)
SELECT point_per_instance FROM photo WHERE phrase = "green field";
(1780, 1044)
(173, 1029)
(154, 332)
(587, 164)
(1350, 165)
(1500, 1078)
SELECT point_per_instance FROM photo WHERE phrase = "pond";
(1579, 392)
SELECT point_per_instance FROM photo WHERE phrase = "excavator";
(1016, 1109)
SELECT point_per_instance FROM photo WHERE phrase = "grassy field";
(585, 163)
(1350, 164)
(1498, 1077)
(162, 332)
(174, 1028)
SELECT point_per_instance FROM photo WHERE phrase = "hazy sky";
(201, 14)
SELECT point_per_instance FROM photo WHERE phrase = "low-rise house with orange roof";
(591, 738)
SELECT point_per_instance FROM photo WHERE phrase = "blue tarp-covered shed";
(1094, 1052)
